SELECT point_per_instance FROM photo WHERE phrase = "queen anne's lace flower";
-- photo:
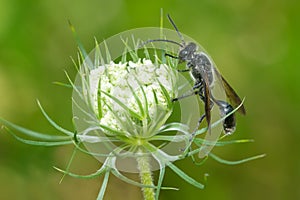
(124, 80)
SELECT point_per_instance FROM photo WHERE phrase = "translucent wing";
(234, 99)
(212, 113)
(207, 102)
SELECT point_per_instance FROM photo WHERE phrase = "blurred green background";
(254, 43)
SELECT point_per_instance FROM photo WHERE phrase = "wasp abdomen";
(229, 123)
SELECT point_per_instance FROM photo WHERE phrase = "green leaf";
(103, 187)
(200, 142)
(77, 38)
(185, 177)
(124, 55)
(84, 111)
(175, 126)
(146, 52)
(80, 46)
(108, 57)
(34, 134)
(160, 179)
(160, 118)
(170, 138)
(128, 180)
(120, 103)
(201, 161)
(100, 114)
(166, 96)
(98, 55)
(227, 162)
(90, 153)
(113, 131)
(62, 84)
(145, 98)
(99, 172)
(73, 86)
(174, 138)
(40, 143)
(160, 155)
(132, 53)
(55, 125)
(155, 97)
(69, 163)
(111, 162)
(125, 124)
(138, 101)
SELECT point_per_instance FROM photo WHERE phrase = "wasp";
(204, 73)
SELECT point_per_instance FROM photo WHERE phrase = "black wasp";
(203, 72)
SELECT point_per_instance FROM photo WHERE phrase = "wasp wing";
(233, 97)
(211, 114)
(207, 102)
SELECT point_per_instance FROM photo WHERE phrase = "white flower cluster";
(123, 81)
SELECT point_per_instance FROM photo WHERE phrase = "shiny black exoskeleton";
(229, 123)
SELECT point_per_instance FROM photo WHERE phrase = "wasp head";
(187, 52)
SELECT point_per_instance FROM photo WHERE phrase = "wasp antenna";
(175, 27)
(160, 40)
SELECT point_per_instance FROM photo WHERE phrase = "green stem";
(146, 176)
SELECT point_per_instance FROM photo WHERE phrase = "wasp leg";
(176, 57)
(183, 70)
(185, 95)
(198, 124)
(188, 149)
(197, 89)
(200, 120)
(171, 56)
(203, 98)
(198, 86)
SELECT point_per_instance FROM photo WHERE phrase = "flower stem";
(146, 176)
